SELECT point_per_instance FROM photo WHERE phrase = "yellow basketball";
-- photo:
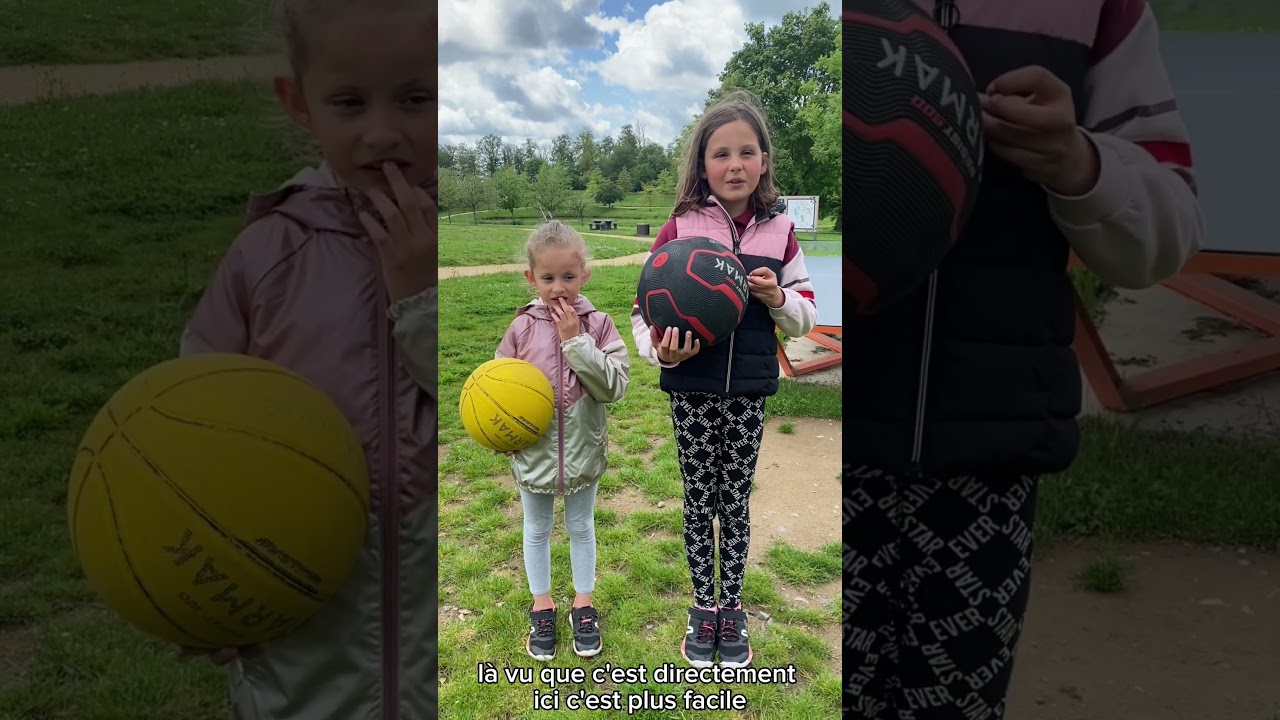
(507, 404)
(218, 501)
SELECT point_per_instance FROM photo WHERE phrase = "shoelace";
(729, 630)
(585, 624)
(544, 628)
(706, 632)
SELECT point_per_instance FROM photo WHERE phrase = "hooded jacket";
(301, 287)
(586, 373)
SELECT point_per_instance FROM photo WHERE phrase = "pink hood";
(302, 287)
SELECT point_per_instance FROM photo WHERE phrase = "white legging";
(579, 520)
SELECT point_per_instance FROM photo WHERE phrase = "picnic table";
(825, 273)
(604, 225)
(1229, 98)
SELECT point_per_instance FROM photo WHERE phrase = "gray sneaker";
(699, 645)
(735, 649)
(586, 631)
(541, 643)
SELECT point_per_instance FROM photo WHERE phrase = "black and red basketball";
(693, 284)
(913, 149)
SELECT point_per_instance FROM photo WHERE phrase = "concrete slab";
(1151, 328)
(803, 350)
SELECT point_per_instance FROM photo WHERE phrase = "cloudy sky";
(538, 68)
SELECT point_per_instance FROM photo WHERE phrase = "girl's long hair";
(693, 190)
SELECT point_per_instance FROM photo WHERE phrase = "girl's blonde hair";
(297, 16)
(693, 190)
(555, 234)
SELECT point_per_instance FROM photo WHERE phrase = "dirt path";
(24, 84)
(472, 270)
(796, 501)
(1194, 638)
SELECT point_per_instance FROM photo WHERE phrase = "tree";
(652, 160)
(450, 191)
(447, 157)
(667, 182)
(822, 118)
(465, 160)
(588, 157)
(510, 188)
(474, 193)
(551, 189)
(595, 181)
(580, 157)
(578, 206)
(623, 153)
(625, 183)
(513, 157)
(562, 154)
(607, 193)
(781, 67)
(533, 167)
(490, 151)
(650, 191)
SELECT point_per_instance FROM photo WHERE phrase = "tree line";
(793, 68)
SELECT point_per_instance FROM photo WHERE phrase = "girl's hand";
(764, 286)
(221, 656)
(669, 348)
(408, 243)
(566, 320)
(1030, 120)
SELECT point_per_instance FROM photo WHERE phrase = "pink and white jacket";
(302, 288)
(587, 372)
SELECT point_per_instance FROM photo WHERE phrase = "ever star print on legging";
(937, 574)
(717, 442)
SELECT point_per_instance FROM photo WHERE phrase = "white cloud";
(672, 49)
(513, 100)
(534, 29)
(539, 68)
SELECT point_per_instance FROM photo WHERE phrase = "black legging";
(717, 442)
(937, 574)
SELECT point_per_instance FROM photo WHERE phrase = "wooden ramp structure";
(826, 275)
(1228, 92)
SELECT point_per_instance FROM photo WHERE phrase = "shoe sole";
(587, 653)
(535, 656)
(691, 661)
(744, 663)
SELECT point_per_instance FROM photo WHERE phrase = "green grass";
(1094, 292)
(470, 245)
(643, 584)
(498, 244)
(1105, 573)
(498, 238)
(47, 32)
(1130, 484)
(1218, 15)
(115, 211)
(630, 212)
